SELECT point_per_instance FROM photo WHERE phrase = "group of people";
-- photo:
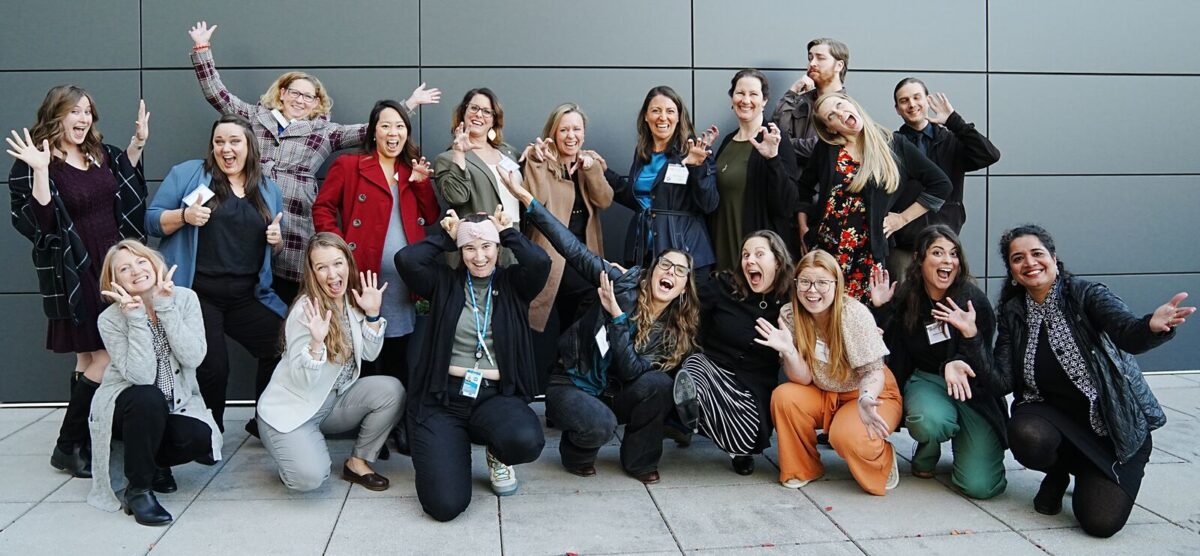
(754, 299)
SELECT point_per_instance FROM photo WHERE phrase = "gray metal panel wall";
(1111, 172)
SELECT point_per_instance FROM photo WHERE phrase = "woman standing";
(1081, 407)
(570, 184)
(647, 318)
(149, 397)
(671, 186)
(74, 196)
(316, 389)
(754, 176)
(477, 376)
(383, 199)
(833, 357)
(939, 328)
(219, 220)
(858, 169)
(725, 391)
(291, 124)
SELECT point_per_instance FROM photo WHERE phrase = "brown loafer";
(370, 481)
(587, 471)
(648, 478)
(922, 474)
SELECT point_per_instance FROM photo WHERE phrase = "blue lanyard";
(481, 329)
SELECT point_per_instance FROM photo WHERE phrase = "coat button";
(357, 223)
(362, 197)
(184, 410)
(353, 246)
(420, 221)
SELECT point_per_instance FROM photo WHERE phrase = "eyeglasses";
(677, 269)
(804, 284)
(294, 94)
(476, 109)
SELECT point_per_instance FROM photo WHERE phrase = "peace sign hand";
(420, 170)
(128, 303)
(950, 313)
(318, 328)
(165, 286)
(201, 33)
(1169, 315)
(25, 151)
(769, 146)
(370, 298)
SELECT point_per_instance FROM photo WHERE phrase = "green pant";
(933, 417)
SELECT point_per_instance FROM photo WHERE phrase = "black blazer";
(771, 196)
(821, 174)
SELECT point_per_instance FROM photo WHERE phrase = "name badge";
(822, 352)
(283, 122)
(199, 196)
(508, 164)
(938, 332)
(602, 340)
(676, 173)
(471, 382)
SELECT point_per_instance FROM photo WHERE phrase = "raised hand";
(957, 385)
(950, 313)
(422, 95)
(500, 219)
(769, 146)
(370, 298)
(538, 151)
(589, 157)
(165, 287)
(805, 83)
(128, 303)
(941, 108)
(882, 286)
(1169, 315)
(462, 140)
(698, 149)
(608, 299)
(318, 328)
(274, 235)
(868, 411)
(514, 186)
(25, 151)
(450, 223)
(779, 339)
(420, 170)
(141, 128)
(201, 33)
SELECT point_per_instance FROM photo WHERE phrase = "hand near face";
(450, 223)
(769, 146)
(882, 286)
(949, 312)
(420, 170)
(128, 303)
(462, 140)
(274, 234)
(370, 298)
(142, 125)
(803, 84)
(1169, 315)
(608, 298)
(698, 149)
(165, 287)
(500, 219)
(318, 328)
(940, 105)
(24, 150)
(957, 386)
(201, 33)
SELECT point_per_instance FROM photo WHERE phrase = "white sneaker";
(503, 477)
(794, 483)
(893, 480)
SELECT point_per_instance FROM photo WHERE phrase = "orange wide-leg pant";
(799, 410)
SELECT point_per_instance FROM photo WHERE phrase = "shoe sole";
(140, 522)
(505, 492)
(683, 392)
(64, 469)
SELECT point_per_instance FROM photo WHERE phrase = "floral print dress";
(844, 228)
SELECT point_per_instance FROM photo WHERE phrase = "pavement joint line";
(338, 519)
(27, 425)
(220, 465)
(821, 509)
(667, 522)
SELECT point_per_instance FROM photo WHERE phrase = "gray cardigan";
(132, 362)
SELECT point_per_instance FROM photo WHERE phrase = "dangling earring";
(491, 135)
(1014, 281)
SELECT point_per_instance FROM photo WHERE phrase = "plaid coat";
(59, 255)
(291, 158)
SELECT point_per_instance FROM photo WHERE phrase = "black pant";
(1100, 504)
(441, 444)
(287, 290)
(153, 436)
(588, 422)
(392, 360)
(229, 307)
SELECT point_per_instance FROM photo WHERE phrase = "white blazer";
(301, 384)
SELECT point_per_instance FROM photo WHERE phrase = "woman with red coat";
(383, 197)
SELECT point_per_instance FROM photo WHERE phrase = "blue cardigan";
(179, 248)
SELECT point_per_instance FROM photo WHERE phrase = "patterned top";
(165, 378)
(1062, 343)
(863, 343)
(290, 156)
(347, 372)
(843, 230)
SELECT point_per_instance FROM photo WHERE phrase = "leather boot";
(72, 452)
(144, 507)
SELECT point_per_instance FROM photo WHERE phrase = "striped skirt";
(728, 411)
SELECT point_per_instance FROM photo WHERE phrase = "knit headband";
(470, 231)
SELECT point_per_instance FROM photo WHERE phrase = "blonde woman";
(833, 357)
(854, 176)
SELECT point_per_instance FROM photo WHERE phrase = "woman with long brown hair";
(74, 196)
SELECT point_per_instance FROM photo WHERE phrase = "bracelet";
(374, 318)
(201, 46)
(183, 215)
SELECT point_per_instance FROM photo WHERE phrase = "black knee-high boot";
(72, 452)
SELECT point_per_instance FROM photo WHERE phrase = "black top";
(579, 213)
(923, 139)
(923, 355)
(233, 240)
(1055, 386)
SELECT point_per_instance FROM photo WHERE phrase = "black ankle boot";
(163, 481)
(144, 507)
(75, 462)
(1049, 498)
(743, 465)
(400, 435)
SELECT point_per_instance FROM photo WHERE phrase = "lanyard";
(481, 328)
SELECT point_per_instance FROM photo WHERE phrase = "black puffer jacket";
(1108, 334)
